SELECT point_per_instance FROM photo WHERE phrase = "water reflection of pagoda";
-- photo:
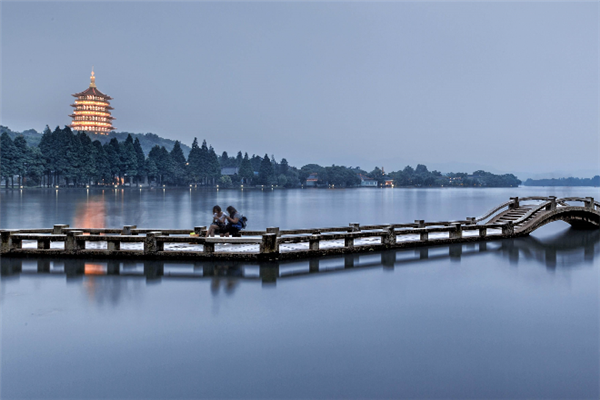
(92, 110)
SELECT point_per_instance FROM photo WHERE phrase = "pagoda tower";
(92, 110)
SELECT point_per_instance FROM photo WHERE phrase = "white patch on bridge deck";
(254, 248)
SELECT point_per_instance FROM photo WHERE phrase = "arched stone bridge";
(530, 213)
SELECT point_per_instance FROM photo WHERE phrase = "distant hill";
(595, 181)
(32, 137)
(147, 140)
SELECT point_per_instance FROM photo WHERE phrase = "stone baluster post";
(420, 223)
(269, 244)
(113, 244)
(456, 233)
(349, 241)
(6, 238)
(58, 228)
(43, 244)
(589, 203)
(127, 229)
(389, 238)
(274, 230)
(150, 243)
(355, 227)
(209, 248)
(552, 205)
(508, 229)
(71, 242)
(313, 242)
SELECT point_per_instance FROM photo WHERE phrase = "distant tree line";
(64, 157)
(407, 177)
(595, 181)
(74, 159)
(421, 176)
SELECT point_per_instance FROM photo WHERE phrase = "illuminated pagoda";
(92, 110)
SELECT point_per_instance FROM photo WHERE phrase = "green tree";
(113, 152)
(282, 180)
(256, 162)
(63, 152)
(152, 169)
(225, 181)
(195, 162)
(35, 168)
(7, 158)
(284, 166)
(46, 147)
(225, 161)
(204, 163)
(87, 158)
(265, 174)
(103, 169)
(161, 165)
(292, 176)
(76, 159)
(246, 172)
(178, 165)
(214, 171)
(141, 160)
(20, 157)
(341, 176)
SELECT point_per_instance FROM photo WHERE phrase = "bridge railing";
(588, 202)
(153, 241)
(494, 211)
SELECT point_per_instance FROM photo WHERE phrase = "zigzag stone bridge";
(517, 217)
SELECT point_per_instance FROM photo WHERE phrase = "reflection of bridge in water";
(570, 248)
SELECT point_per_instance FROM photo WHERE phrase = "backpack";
(244, 221)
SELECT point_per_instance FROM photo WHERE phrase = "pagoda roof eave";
(76, 115)
(91, 91)
(106, 107)
(112, 128)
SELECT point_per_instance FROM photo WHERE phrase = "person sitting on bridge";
(218, 224)
(234, 225)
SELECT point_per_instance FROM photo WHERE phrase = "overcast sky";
(510, 87)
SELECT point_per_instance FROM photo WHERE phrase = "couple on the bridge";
(224, 224)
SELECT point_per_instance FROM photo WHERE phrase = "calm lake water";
(515, 318)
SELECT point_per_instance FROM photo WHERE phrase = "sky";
(509, 87)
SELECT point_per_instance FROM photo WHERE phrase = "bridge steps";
(511, 215)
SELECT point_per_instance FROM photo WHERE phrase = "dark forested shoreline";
(61, 157)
